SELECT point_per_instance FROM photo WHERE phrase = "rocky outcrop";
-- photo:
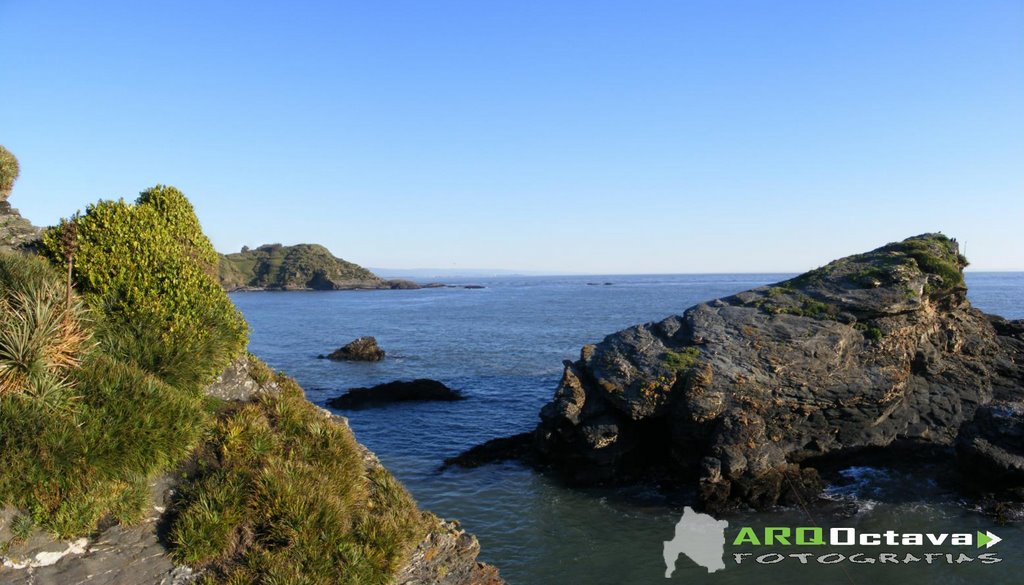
(363, 349)
(299, 267)
(447, 556)
(740, 394)
(243, 380)
(398, 391)
(991, 447)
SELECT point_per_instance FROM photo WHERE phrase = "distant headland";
(298, 267)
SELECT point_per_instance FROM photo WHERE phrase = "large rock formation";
(299, 267)
(741, 394)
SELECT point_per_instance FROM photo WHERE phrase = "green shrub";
(283, 495)
(9, 171)
(870, 332)
(934, 254)
(153, 274)
(21, 527)
(93, 457)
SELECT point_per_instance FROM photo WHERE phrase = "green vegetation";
(871, 332)
(151, 273)
(282, 495)
(80, 432)
(934, 254)
(681, 361)
(808, 308)
(21, 527)
(41, 329)
(891, 264)
(9, 171)
(783, 300)
(302, 266)
(102, 389)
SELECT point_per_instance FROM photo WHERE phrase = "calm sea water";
(503, 346)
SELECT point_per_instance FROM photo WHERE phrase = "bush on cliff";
(80, 432)
(281, 494)
(152, 274)
(9, 171)
(101, 394)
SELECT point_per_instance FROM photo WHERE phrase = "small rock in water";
(364, 349)
(397, 391)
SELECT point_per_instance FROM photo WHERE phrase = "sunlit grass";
(282, 494)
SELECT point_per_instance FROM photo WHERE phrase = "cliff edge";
(139, 553)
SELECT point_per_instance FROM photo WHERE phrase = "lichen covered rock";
(738, 392)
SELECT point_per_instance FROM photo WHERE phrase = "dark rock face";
(737, 392)
(397, 391)
(992, 446)
(363, 349)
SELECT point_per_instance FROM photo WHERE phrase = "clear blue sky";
(602, 137)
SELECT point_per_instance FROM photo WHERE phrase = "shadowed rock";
(518, 447)
(397, 391)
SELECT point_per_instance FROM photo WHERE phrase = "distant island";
(299, 267)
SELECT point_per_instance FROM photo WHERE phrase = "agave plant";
(41, 334)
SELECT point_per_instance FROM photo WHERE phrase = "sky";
(544, 136)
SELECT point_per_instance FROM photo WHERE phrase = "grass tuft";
(283, 493)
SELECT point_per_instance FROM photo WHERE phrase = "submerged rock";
(397, 391)
(363, 349)
(736, 393)
(519, 447)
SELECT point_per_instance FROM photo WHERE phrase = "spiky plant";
(41, 334)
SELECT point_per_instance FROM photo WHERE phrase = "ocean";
(503, 346)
